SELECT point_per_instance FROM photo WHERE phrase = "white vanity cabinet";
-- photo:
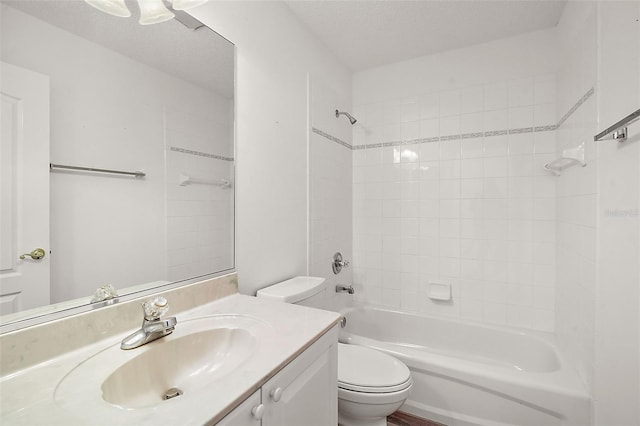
(244, 414)
(304, 392)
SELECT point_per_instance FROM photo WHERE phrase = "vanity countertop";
(31, 396)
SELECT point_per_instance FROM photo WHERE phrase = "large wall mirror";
(116, 156)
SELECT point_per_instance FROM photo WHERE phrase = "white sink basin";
(199, 352)
(185, 363)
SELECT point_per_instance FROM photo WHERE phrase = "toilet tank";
(307, 291)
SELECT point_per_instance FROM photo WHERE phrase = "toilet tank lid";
(293, 290)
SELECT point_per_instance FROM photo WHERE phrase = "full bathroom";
(320, 212)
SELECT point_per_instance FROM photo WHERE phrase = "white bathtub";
(468, 374)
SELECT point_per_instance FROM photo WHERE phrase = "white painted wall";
(617, 347)
(274, 54)
(577, 189)
(111, 229)
(330, 175)
(470, 209)
(598, 224)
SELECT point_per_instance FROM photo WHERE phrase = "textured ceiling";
(369, 33)
(201, 57)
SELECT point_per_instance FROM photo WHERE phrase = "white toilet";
(371, 384)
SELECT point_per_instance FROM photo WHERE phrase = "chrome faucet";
(344, 289)
(153, 327)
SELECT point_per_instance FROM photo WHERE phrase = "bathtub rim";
(565, 380)
(544, 337)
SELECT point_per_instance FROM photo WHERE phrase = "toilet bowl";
(371, 384)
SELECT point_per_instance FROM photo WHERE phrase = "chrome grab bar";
(619, 129)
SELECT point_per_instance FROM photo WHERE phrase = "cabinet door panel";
(305, 392)
(242, 415)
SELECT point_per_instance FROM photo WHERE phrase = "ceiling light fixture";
(151, 11)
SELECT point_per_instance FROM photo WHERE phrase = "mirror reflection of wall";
(111, 110)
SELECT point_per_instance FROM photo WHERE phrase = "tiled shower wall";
(449, 184)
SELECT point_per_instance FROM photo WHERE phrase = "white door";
(24, 188)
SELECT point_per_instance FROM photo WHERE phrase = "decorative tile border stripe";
(536, 129)
(446, 138)
(576, 106)
(545, 128)
(521, 130)
(496, 133)
(472, 135)
(199, 154)
(331, 138)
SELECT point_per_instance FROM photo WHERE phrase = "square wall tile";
(544, 90)
(520, 92)
(495, 120)
(429, 106)
(450, 101)
(450, 150)
(392, 113)
(430, 152)
(471, 123)
(495, 96)
(495, 167)
(520, 117)
(472, 148)
(450, 125)
(409, 111)
(429, 127)
(520, 143)
(495, 146)
(472, 100)
(544, 114)
(472, 168)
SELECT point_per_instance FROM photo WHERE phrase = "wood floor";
(403, 419)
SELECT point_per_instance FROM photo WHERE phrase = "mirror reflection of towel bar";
(91, 169)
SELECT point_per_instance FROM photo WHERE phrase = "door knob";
(35, 254)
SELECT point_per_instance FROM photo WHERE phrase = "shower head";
(349, 116)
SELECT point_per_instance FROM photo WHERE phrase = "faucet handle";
(339, 263)
(154, 309)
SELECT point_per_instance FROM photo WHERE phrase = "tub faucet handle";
(339, 263)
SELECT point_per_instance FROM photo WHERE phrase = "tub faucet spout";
(344, 289)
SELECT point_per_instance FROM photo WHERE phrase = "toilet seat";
(369, 389)
(366, 370)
